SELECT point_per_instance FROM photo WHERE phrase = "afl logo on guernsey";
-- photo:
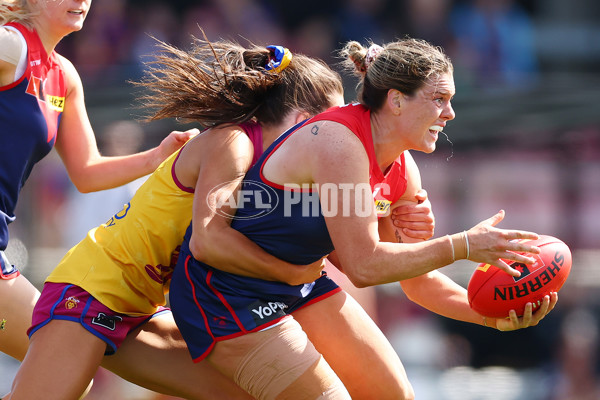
(256, 196)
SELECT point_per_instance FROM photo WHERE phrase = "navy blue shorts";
(7, 270)
(210, 305)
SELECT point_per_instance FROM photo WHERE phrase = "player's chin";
(426, 145)
(429, 148)
(75, 27)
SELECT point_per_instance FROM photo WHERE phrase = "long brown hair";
(404, 65)
(223, 82)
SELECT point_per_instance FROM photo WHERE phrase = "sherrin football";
(493, 293)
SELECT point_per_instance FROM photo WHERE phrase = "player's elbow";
(84, 185)
(411, 295)
(360, 283)
(199, 247)
(358, 276)
(418, 289)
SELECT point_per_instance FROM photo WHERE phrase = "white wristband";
(452, 244)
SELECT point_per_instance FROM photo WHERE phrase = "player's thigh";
(366, 297)
(279, 362)
(61, 361)
(17, 299)
(355, 348)
(156, 357)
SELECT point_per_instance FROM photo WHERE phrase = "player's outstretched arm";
(76, 144)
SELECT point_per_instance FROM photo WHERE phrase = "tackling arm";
(219, 163)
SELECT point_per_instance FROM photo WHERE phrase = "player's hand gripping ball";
(493, 293)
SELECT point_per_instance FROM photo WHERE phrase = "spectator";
(494, 44)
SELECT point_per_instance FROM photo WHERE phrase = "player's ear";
(395, 99)
(300, 116)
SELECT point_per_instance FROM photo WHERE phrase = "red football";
(493, 293)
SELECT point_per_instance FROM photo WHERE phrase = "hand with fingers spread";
(485, 243)
(529, 318)
(415, 219)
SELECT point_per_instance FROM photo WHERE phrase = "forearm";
(214, 248)
(434, 290)
(392, 262)
(109, 172)
(441, 295)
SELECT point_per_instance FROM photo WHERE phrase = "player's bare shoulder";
(12, 46)
(219, 137)
(223, 144)
(72, 78)
(328, 139)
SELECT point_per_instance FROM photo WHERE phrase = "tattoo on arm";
(398, 237)
(314, 130)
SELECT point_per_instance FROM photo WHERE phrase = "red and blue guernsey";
(210, 305)
(30, 111)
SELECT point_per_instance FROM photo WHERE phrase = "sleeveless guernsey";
(30, 111)
(210, 305)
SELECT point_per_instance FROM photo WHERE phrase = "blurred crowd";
(497, 46)
(490, 40)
